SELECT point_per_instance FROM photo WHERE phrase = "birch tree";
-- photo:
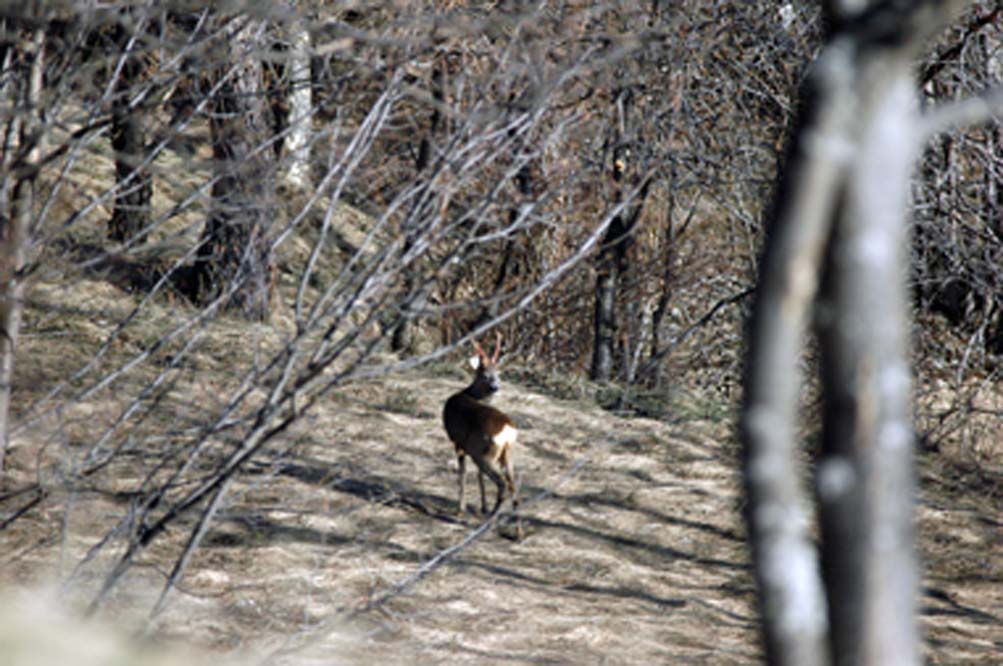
(235, 256)
(838, 235)
(23, 144)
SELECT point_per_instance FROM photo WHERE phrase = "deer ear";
(475, 362)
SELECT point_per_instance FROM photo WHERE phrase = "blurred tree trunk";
(611, 265)
(134, 186)
(846, 188)
(235, 256)
(23, 146)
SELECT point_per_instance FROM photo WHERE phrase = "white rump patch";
(506, 437)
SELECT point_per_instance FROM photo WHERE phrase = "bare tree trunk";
(510, 255)
(235, 245)
(20, 167)
(665, 283)
(134, 185)
(604, 316)
(300, 102)
(865, 481)
(846, 182)
(611, 266)
(402, 338)
(791, 597)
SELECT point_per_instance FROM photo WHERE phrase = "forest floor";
(339, 549)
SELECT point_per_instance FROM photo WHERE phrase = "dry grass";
(634, 544)
(635, 549)
(634, 552)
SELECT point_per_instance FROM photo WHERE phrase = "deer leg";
(506, 460)
(461, 461)
(484, 500)
(486, 468)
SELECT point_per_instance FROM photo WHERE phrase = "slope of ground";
(634, 545)
(345, 547)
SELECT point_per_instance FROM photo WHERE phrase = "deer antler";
(480, 351)
(498, 344)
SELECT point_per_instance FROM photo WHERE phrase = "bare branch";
(962, 114)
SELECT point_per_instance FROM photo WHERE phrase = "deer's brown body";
(483, 433)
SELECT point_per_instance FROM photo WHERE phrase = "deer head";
(486, 380)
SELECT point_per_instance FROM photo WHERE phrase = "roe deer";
(484, 433)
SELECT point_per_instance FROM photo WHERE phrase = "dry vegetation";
(337, 542)
(635, 549)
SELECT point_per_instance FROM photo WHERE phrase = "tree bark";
(786, 564)
(611, 265)
(20, 164)
(235, 257)
(865, 478)
(415, 294)
(523, 187)
(845, 187)
(134, 185)
(300, 104)
(604, 315)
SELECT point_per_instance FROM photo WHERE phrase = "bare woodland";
(744, 257)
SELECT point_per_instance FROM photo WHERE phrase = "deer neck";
(479, 392)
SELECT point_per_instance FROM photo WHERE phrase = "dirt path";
(634, 545)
